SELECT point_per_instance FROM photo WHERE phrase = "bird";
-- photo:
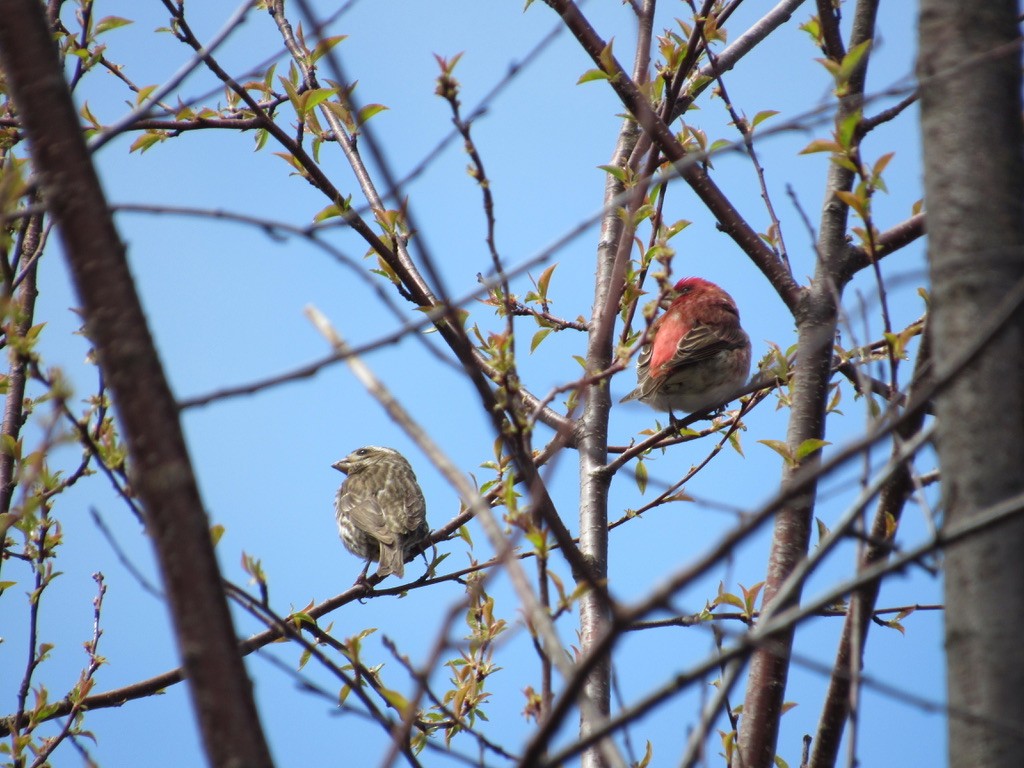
(697, 353)
(380, 508)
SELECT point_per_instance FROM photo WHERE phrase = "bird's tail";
(392, 560)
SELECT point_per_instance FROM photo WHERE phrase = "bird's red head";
(699, 297)
(692, 290)
(688, 284)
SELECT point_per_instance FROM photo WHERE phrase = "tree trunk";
(969, 70)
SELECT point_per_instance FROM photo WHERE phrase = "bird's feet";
(364, 583)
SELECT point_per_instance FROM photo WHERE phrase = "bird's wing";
(645, 385)
(414, 510)
(643, 361)
(401, 490)
(704, 342)
(366, 514)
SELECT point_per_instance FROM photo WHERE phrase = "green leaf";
(342, 113)
(147, 140)
(641, 476)
(851, 61)
(111, 22)
(10, 446)
(896, 343)
(292, 161)
(545, 279)
(855, 201)
(780, 447)
(727, 598)
(675, 228)
(293, 94)
(538, 540)
(820, 145)
(301, 617)
(369, 111)
(831, 66)
(750, 597)
(613, 170)
(809, 446)
(144, 94)
(761, 116)
(812, 28)
(330, 212)
(538, 337)
(643, 213)
(833, 404)
(607, 58)
(734, 441)
(592, 74)
(844, 162)
(317, 96)
(847, 129)
(395, 699)
(324, 45)
(882, 163)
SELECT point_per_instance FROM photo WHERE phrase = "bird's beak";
(341, 466)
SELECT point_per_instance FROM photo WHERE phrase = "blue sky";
(225, 304)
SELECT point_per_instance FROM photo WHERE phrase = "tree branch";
(221, 691)
(729, 219)
(816, 322)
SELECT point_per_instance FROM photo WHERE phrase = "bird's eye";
(362, 452)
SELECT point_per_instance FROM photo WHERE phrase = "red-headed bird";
(697, 354)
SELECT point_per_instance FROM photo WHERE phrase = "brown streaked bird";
(380, 508)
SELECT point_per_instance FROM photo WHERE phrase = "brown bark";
(891, 502)
(816, 323)
(17, 373)
(969, 69)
